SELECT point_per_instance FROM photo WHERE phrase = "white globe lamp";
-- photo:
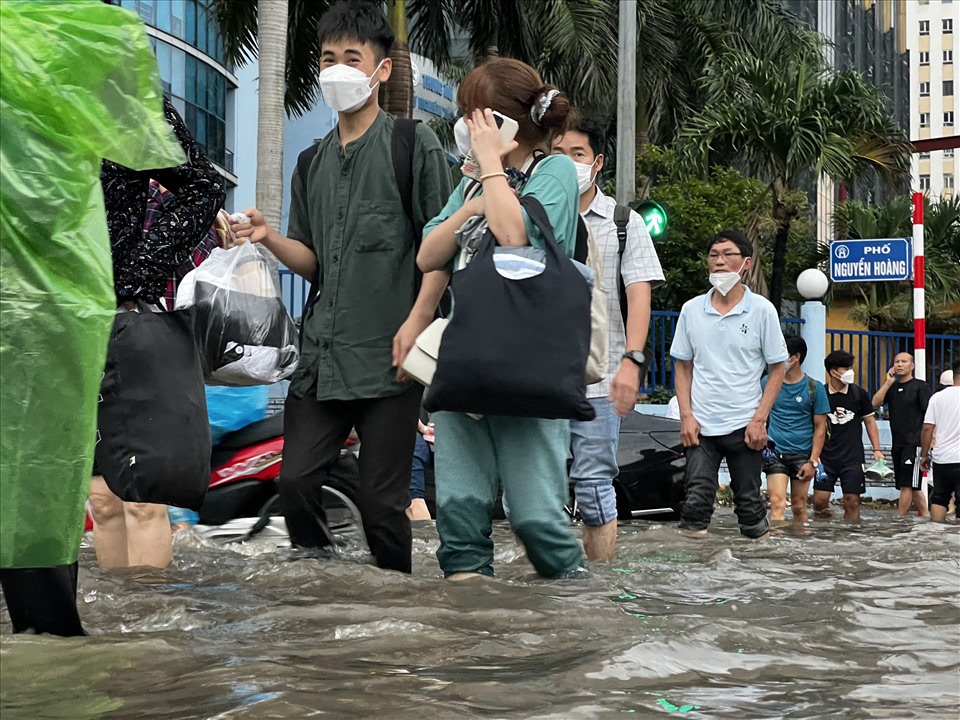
(812, 284)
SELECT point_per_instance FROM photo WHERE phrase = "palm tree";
(396, 95)
(572, 43)
(679, 39)
(888, 305)
(272, 38)
(788, 117)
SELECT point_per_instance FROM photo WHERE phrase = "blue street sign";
(871, 260)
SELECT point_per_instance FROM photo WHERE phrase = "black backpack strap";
(404, 143)
(582, 249)
(812, 390)
(303, 166)
(621, 218)
(304, 161)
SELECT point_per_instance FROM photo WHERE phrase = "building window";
(948, 87)
(924, 119)
(924, 27)
(947, 26)
(925, 155)
(948, 56)
(924, 58)
(948, 180)
(948, 119)
(924, 182)
(948, 154)
(924, 89)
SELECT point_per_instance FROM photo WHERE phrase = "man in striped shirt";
(594, 443)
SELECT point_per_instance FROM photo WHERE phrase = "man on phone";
(907, 399)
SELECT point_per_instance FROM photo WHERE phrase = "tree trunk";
(272, 44)
(779, 267)
(396, 95)
(783, 215)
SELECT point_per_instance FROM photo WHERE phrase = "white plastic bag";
(245, 335)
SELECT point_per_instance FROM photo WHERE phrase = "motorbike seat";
(267, 429)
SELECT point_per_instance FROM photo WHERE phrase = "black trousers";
(43, 600)
(702, 483)
(315, 431)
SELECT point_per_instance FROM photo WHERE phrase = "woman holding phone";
(526, 455)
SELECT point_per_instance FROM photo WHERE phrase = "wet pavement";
(836, 621)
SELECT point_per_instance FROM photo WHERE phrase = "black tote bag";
(516, 347)
(153, 432)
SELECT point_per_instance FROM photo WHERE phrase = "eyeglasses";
(713, 257)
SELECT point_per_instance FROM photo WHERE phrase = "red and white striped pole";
(919, 304)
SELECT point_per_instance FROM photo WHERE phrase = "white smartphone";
(508, 130)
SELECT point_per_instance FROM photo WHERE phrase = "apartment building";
(932, 26)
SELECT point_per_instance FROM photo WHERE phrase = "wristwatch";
(636, 357)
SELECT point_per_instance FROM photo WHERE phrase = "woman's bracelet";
(493, 174)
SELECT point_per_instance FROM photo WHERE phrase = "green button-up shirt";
(352, 217)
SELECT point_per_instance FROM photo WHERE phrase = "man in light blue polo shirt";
(722, 343)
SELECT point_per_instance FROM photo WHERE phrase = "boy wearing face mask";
(842, 456)
(722, 342)
(798, 429)
(348, 224)
(594, 443)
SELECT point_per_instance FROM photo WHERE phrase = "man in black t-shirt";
(842, 456)
(907, 398)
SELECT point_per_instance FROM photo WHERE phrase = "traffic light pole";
(627, 103)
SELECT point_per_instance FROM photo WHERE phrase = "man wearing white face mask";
(722, 342)
(594, 443)
(354, 230)
(842, 456)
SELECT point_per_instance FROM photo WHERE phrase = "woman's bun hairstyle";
(516, 90)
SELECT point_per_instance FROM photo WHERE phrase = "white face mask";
(724, 282)
(789, 365)
(847, 377)
(345, 88)
(584, 175)
(461, 134)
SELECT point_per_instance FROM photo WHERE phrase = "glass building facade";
(194, 71)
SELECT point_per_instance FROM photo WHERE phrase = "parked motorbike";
(242, 500)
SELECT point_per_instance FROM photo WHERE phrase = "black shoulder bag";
(516, 347)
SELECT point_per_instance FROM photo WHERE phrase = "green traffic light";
(654, 217)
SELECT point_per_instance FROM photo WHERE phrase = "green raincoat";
(78, 81)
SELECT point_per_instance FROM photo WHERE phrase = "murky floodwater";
(843, 622)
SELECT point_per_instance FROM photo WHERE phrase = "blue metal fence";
(663, 323)
(873, 351)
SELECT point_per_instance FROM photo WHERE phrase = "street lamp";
(812, 284)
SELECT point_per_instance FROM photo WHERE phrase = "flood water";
(842, 622)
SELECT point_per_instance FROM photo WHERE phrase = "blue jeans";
(594, 446)
(422, 455)
(703, 466)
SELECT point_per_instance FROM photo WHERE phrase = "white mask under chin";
(584, 175)
(344, 88)
(724, 282)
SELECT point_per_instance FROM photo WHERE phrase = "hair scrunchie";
(540, 107)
